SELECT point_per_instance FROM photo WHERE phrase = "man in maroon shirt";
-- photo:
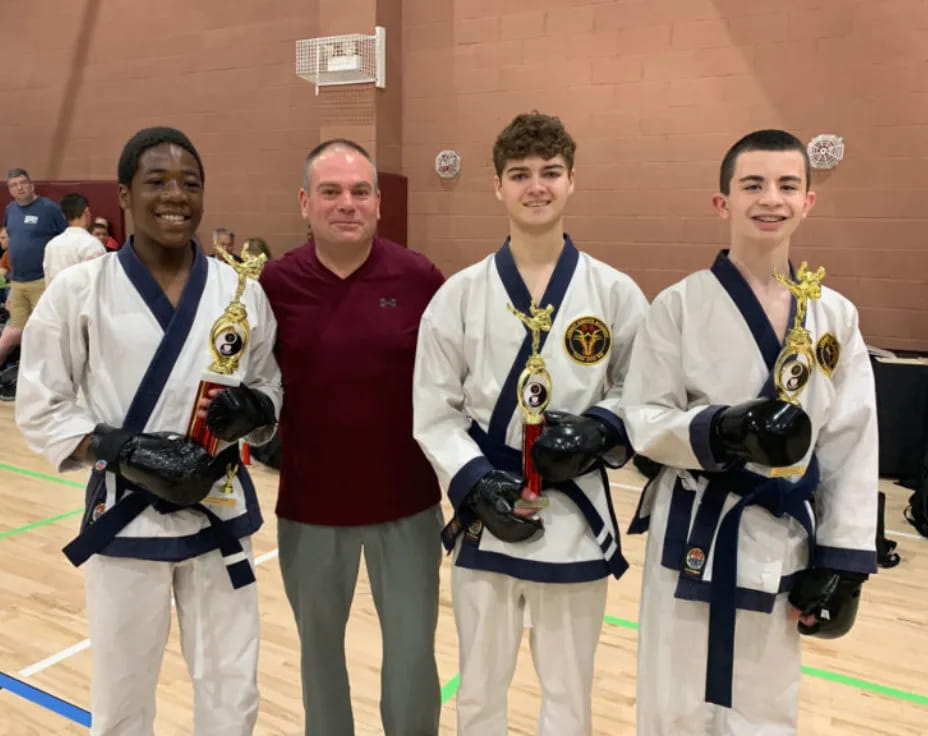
(352, 477)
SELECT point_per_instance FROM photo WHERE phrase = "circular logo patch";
(695, 559)
(587, 340)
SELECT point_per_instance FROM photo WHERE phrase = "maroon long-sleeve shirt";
(346, 349)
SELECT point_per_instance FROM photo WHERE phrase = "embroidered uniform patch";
(695, 560)
(828, 353)
(474, 531)
(587, 340)
(97, 512)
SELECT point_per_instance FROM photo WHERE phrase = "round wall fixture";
(826, 151)
(448, 164)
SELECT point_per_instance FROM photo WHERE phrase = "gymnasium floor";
(872, 682)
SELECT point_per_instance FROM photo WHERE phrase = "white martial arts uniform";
(470, 353)
(105, 345)
(705, 344)
(71, 247)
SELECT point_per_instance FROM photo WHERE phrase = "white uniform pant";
(672, 651)
(129, 616)
(566, 619)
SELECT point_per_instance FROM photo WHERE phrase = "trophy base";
(197, 431)
(791, 471)
(535, 504)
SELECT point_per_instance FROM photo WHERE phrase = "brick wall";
(79, 78)
(655, 91)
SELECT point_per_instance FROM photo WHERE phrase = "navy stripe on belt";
(96, 535)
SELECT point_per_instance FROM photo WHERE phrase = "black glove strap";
(263, 405)
(106, 442)
(611, 436)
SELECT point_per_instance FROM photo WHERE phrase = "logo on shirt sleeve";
(587, 340)
(828, 353)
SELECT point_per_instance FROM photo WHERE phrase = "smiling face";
(165, 197)
(341, 201)
(768, 197)
(535, 191)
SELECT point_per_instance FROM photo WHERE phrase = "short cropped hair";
(73, 205)
(336, 143)
(149, 138)
(761, 140)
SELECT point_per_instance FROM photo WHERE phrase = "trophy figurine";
(228, 339)
(796, 361)
(534, 394)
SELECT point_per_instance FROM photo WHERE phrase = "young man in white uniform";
(765, 510)
(552, 568)
(110, 371)
(75, 244)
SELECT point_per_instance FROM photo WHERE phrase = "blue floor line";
(45, 700)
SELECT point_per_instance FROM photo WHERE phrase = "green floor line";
(451, 687)
(41, 522)
(613, 621)
(42, 476)
(871, 687)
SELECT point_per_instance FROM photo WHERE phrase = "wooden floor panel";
(43, 613)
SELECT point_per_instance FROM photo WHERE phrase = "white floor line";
(908, 535)
(82, 645)
(889, 532)
(54, 659)
(626, 486)
(261, 559)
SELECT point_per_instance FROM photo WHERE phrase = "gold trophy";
(796, 361)
(534, 394)
(228, 339)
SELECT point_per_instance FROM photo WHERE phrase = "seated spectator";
(111, 242)
(254, 246)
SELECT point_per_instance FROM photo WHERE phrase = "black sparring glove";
(493, 499)
(570, 445)
(770, 432)
(165, 464)
(832, 596)
(237, 411)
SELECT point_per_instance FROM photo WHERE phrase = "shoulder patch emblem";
(587, 340)
(828, 353)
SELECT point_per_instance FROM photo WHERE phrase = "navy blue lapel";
(176, 325)
(520, 298)
(744, 298)
(145, 284)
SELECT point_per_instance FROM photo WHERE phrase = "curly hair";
(533, 134)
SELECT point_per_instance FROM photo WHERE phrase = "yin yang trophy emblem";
(228, 341)
(796, 361)
(533, 391)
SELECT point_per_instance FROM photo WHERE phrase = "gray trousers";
(320, 568)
